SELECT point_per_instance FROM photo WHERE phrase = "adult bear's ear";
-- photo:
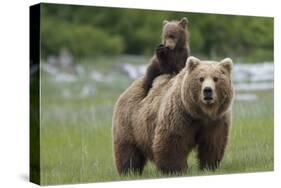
(226, 64)
(183, 22)
(192, 63)
(165, 22)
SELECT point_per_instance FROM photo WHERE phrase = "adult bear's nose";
(208, 93)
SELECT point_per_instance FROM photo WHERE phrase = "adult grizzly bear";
(179, 113)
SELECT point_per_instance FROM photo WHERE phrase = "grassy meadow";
(76, 141)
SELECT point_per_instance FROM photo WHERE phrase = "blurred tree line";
(91, 31)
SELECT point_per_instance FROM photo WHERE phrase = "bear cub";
(171, 54)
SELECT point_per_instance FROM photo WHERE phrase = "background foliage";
(93, 31)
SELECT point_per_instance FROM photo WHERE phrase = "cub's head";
(175, 34)
(207, 87)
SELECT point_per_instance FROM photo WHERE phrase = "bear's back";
(133, 105)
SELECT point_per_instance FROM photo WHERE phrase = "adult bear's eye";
(215, 79)
(201, 79)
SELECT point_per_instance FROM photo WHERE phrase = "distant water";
(248, 78)
(257, 76)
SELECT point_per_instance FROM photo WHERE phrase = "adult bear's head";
(207, 89)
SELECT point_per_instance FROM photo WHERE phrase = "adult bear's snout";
(208, 93)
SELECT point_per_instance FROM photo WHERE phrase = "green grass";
(76, 141)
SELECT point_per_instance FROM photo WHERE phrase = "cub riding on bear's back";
(171, 55)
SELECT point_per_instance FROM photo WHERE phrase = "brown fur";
(171, 120)
(171, 55)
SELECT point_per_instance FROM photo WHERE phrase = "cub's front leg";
(161, 52)
(166, 58)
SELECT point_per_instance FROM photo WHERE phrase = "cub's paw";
(161, 51)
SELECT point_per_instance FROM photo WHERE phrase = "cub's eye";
(201, 79)
(215, 79)
(171, 36)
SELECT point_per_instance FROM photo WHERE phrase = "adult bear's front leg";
(128, 158)
(211, 145)
(170, 152)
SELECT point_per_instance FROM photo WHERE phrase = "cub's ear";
(226, 64)
(183, 22)
(165, 22)
(191, 63)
